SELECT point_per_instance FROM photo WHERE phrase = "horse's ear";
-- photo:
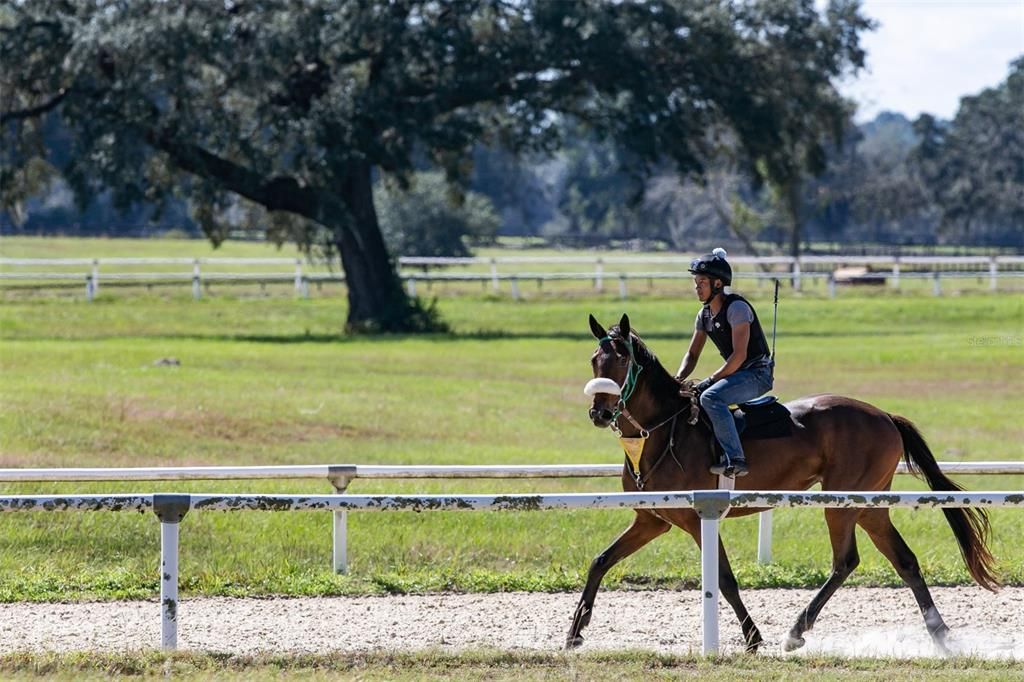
(624, 326)
(596, 329)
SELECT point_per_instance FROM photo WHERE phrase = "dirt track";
(856, 621)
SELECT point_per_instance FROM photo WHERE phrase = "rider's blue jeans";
(739, 387)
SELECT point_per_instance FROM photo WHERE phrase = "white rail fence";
(483, 270)
(341, 475)
(711, 506)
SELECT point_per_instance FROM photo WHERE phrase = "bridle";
(633, 370)
(634, 445)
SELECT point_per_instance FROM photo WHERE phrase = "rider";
(731, 323)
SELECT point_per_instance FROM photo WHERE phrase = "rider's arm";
(692, 354)
(740, 338)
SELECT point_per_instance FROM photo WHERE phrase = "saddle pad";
(763, 418)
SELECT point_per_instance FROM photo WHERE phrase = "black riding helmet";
(713, 265)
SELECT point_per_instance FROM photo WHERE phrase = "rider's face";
(702, 285)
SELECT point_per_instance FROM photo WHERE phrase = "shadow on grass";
(479, 335)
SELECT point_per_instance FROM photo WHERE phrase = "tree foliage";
(974, 167)
(294, 106)
(426, 220)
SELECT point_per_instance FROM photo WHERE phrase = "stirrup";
(737, 469)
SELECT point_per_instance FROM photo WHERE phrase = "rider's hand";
(704, 385)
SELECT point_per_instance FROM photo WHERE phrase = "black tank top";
(720, 331)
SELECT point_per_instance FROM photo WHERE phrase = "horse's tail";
(970, 526)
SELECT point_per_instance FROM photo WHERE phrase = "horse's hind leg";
(841, 525)
(891, 544)
(645, 527)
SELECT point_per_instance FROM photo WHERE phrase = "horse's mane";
(661, 380)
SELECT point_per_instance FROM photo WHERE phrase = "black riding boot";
(730, 467)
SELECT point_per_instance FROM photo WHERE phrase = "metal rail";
(341, 475)
(711, 506)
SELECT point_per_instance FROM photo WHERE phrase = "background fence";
(503, 273)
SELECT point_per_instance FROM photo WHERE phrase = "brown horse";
(839, 442)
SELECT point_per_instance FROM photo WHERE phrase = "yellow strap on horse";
(634, 448)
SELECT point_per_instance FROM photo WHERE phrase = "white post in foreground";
(764, 537)
(170, 509)
(168, 586)
(711, 506)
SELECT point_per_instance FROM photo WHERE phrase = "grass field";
(491, 665)
(272, 380)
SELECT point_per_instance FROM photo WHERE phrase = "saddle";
(758, 419)
(762, 418)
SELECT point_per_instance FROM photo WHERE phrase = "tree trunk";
(377, 302)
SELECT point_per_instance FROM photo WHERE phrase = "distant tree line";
(366, 128)
(892, 182)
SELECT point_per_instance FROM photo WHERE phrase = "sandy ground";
(859, 621)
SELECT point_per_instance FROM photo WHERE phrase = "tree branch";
(279, 193)
(32, 112)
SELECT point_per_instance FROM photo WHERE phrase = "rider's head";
(711, 274)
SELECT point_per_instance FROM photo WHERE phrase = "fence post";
(622, 286)
(832, 285)
(494, 275)
(599, 275)
(515, 288)
(170, 509)
(936, 284)
(410, 287)
(896, 272)
(993, 272)
(298, 277)
(796, 274)
(96, 276)
(764, 537)
(90, 287)
(711, 506)
(340, 475)
(197, 291)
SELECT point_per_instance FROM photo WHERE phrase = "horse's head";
(614, 370)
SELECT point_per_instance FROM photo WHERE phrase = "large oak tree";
(296, 106)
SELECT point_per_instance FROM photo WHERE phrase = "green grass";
(272, 380)
(494, 665)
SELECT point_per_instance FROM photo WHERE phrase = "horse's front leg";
(645, 527)
(730, 589)
(728, 586)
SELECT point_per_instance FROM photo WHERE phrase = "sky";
(926, 54)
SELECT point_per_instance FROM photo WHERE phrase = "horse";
(839, 442)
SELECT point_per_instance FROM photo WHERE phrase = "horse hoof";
(793, 643)
(754, 643)
(574, 642)
(939, 639)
